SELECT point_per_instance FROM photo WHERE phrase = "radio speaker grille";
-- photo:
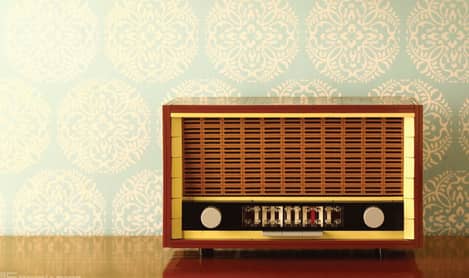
(292, 156)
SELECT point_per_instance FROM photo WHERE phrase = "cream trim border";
(290, 115)
(293, 199)
(176, 178)
(330, 235)
(408, 177)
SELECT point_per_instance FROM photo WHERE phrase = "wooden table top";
(79, 257)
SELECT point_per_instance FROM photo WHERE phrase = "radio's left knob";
(210, 217)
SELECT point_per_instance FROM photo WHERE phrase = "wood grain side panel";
(418, 189)
(166, 176)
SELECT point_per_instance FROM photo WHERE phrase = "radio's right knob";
(373, 217)
(210, 217)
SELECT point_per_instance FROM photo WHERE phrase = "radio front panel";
(244, 177)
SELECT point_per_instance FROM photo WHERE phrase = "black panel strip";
(351, 216)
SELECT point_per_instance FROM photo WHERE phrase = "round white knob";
(373, 217)
(210, 217)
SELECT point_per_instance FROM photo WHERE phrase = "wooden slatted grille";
(292, 156)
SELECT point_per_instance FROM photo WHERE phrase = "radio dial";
(373, 217)
(210, 217)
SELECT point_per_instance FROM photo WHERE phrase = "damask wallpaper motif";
(103, 126)
(137, 207)
(62, 202)
(436, 122)
(25, 126)
(353, 41)
(50, 40)
(252, 41)
(82, 83)
(437, 40)
(151, 41)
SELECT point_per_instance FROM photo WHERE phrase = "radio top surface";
(387, 100)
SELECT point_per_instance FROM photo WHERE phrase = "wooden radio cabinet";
(292, 173)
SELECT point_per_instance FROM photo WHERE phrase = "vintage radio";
(292, 173)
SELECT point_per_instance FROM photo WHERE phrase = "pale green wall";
(82, 82)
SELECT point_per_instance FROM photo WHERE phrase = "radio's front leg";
(206, 252)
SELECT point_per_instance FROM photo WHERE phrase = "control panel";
(292, 216)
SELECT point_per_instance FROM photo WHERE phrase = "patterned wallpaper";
(82, 83)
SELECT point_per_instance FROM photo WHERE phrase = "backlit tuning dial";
(210, 217)
(373, 217)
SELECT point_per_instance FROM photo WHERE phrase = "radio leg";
(380, 253)
(206, 252)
